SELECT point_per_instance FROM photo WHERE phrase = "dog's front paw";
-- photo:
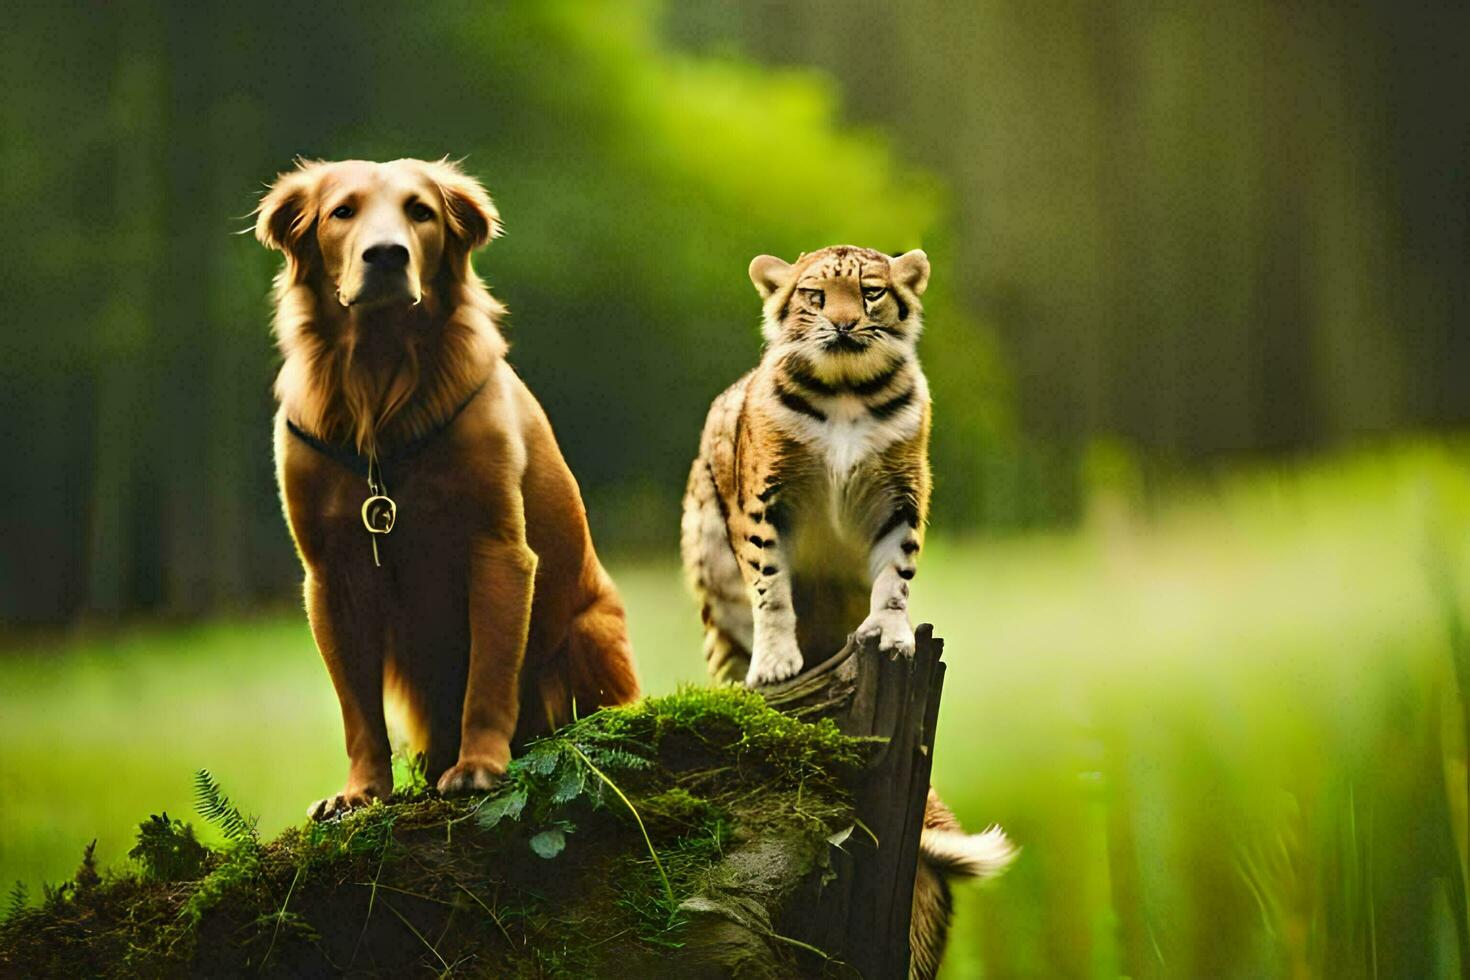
(469, 776)
(774, 660)
(347, 800)
(892, 630)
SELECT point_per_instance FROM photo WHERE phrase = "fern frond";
(213, 805)
(617, 758)
(16, 902)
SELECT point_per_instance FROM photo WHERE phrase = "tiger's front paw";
(773, 660)
(891, 627)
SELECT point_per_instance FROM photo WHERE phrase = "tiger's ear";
(468, 211)
(769, 274)
(288, 209)
(911, 269)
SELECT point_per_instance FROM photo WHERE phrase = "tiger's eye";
(815, 297)
(343, 211)
(874, 293)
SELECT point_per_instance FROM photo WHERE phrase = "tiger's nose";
(386, 256)
(844, 326)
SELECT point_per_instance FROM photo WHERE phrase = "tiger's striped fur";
(805, 509)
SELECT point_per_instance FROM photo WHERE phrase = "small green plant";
(16, 901)
(410, 776)
(554, 775)
(168, 851)
(213, 805)
(242, 861)
(87, 876)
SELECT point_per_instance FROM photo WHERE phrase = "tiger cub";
(805, 509)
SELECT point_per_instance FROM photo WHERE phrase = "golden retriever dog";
(445, 545)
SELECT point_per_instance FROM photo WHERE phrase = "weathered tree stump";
(861, 917)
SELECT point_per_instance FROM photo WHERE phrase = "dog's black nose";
(386, 255)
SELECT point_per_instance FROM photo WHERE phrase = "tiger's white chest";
(850, 435)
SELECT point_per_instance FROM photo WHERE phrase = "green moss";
(730, 722)
(641, 806)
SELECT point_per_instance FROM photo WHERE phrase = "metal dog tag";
(379, 513)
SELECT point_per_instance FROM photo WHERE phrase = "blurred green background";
(1199, 341)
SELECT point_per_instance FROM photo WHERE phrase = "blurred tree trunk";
(186, 399)
(1204, 228)
(238, 449)
(117, 555)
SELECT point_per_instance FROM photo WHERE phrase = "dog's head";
(376, 234)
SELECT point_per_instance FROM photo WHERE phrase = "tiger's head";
(851, 312)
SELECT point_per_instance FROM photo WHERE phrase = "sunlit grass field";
(1226, 734)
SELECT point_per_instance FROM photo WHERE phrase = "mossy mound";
(669, 837)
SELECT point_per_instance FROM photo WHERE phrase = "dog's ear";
(469, 213)
(288, 210)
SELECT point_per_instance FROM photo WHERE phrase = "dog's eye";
(419, 211)
(343, 211)
(815, 297)
(874, 293)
